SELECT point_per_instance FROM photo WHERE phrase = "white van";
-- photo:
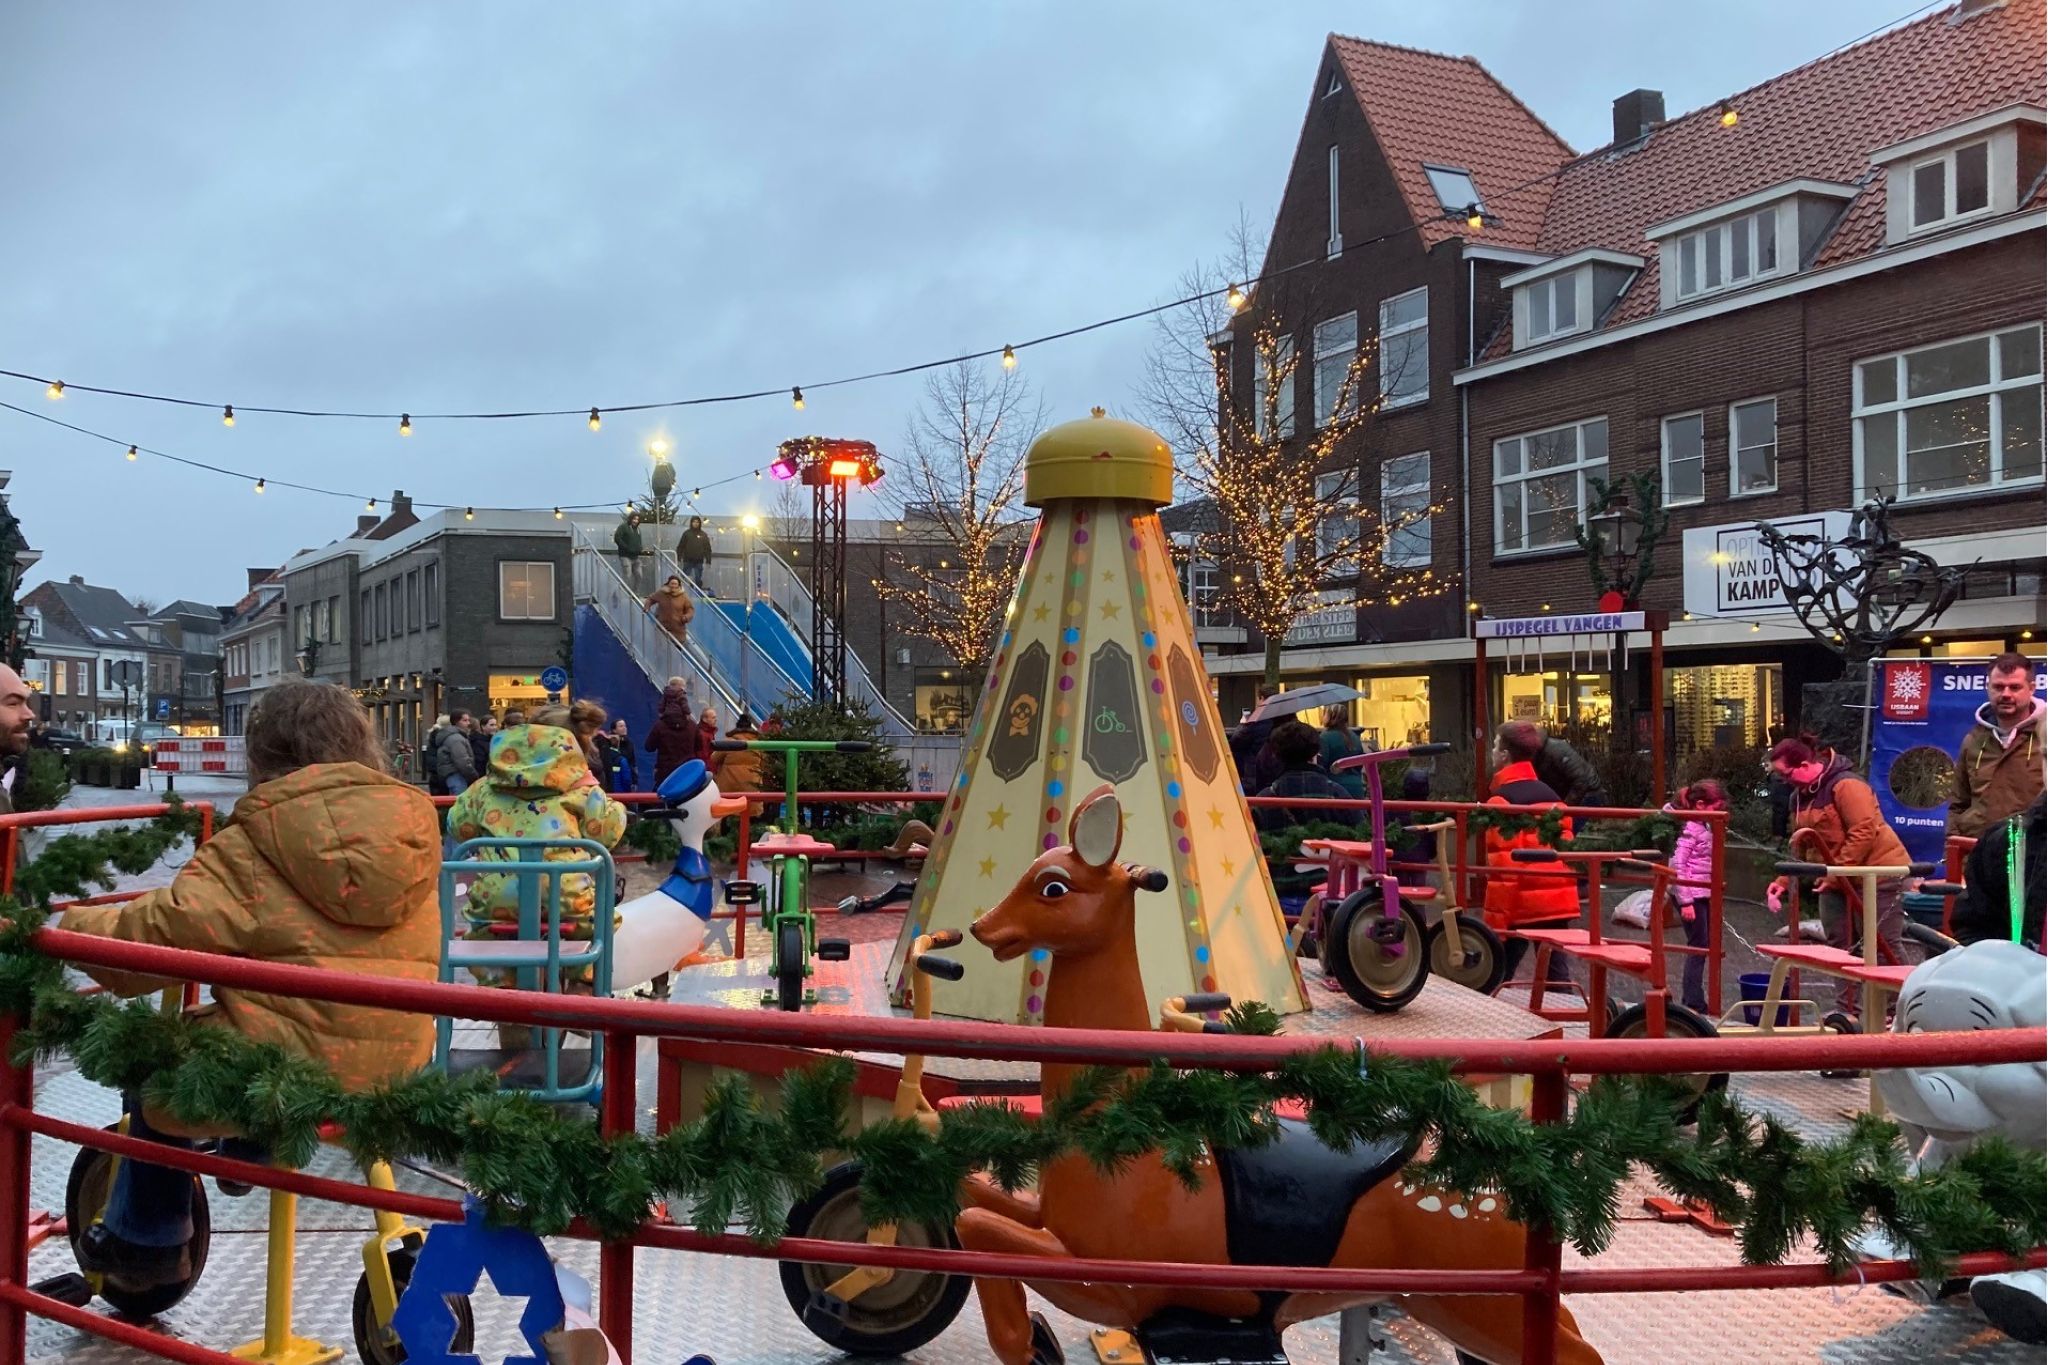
(113, 733)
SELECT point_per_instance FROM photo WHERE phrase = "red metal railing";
(1540, 1282)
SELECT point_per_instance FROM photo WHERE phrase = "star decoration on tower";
(988, 867)
(997, 817)
(1041, 611)
(1229, 868)
(1110, 610)
(1215, 818)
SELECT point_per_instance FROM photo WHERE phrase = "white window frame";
(1719, 239)
(1581, 467)
(1335, 246)
(1393, 495)
(1896, 410)
(1201, 581)
(1551, 287)
(1421, 324)
(1331, 486)
(527, 613)
(1664, 457)
(1946, 159)
(1262, 378)
(1735, 448)
(1323, 412)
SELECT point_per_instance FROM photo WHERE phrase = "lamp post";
(749, 524)
(309, 654)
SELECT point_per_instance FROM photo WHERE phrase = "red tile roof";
(1819, 121)
(1451, 111)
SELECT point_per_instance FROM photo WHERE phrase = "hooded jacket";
(672, 739)
(1569, 773)
(738, 770)
(333, 866)
(1997, 773)
(1518, 894)
(673, 610)
(1692, 861)
(1837, 821)
(539, 787)
(694, 547)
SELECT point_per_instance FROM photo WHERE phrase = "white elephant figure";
(1989, 985)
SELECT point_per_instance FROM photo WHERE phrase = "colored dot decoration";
(1067, 683)
(1052, 815)
(1038, 978)
(1173, 790)
(1071, 636)
(1080, 537)
(1151, 642)
(1034, 1004)
(1201, 955)
(1055, 788)
(1185, 846)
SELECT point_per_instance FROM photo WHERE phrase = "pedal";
(851, 906)
(1387, 930)
(743, 893)
(70, 1289)
(825, 1315)
(834, 949)
(1180, 1337)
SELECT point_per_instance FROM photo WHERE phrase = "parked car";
(66, 742)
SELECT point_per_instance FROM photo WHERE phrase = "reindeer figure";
(1294, 1202)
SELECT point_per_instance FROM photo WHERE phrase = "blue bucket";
(1755, 986)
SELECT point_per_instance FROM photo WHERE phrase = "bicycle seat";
(793, 846)
(1286, 1203)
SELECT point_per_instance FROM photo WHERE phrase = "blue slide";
(606, 673)
(774, 638)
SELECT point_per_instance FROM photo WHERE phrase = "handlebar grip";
(1203, 1002)
(1942, 888)
(728, 746)
(931, 964)
(1430, 750)
(1534, 855)
(1921, 869)
(853, 746)
(1148, 878)
(1798, 869)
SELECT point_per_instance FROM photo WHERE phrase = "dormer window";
(1978, 168)
(1956, 184)
(1553, 306)
(1563, 297)
(1740, 241)
(1728, 254)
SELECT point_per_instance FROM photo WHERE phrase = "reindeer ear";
(1097, 829)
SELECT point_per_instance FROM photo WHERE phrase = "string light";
(259, 485)
(1729, 118)
(1472, 607)
(405, 424)
(1927, 639)
(696, 493)
(131, 454)
(1475, 218)
(596, 421)
(1235, 299)
(1755, 626)
(227, 415)
(469, 514)
(796, 399)
(757, 476)
(558, 514)
(1009, 358)
(56, 389)
(369, 504)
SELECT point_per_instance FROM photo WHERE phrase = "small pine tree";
(877, 770)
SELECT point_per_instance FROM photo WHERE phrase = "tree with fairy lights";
(955, 492)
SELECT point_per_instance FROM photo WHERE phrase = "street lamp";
(309, 654)
(749, 524)
(1619, 537)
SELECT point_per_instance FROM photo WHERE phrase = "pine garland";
(541, 1168)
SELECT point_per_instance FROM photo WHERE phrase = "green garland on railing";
(741, 1163)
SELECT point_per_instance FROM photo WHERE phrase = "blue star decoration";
(456, 1258)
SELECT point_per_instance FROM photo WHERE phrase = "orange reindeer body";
(1079, 904)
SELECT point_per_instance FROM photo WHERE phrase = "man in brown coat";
(673, 610)
(1998, 772)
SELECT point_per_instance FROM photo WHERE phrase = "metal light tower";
(828, 467)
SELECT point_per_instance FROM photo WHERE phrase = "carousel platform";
(685, 1068)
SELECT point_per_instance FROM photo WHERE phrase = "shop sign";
(1729, 571)
(1335, 622)
(1528, 627)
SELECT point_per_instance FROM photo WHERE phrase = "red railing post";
(615, 1259)
(17, 1090)
(1542, 1252)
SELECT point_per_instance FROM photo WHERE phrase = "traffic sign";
(554, 679)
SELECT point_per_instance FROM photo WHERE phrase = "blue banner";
(1923, 704)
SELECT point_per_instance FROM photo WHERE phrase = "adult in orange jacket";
(329, 861)
(1519, 896)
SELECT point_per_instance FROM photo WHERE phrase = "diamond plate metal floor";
(733, 1309)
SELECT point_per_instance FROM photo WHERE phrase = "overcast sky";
(488, 206)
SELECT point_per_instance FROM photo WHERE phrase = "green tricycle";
(785, 894)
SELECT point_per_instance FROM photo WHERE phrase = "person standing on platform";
(457, 755)
(694, 551)
(1999, 772)
(631, 549)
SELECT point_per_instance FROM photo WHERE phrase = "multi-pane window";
(1404, 512)
(1265, 371)
(1685, 459)
(1728, 254)
(1404, 348)
(1952, 418)
(1337, 530)
(1540, 484)
(1200, 580)
(1953, 185)
(333, 632)
(526, 590)
(1553, 306)
(1753, 447)
(1336, 347)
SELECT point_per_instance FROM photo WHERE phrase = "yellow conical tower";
(1097, 679)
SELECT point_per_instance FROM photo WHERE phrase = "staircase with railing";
(623, 610)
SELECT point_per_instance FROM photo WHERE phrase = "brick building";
(129, 673)
(62, 669)
(256, 648)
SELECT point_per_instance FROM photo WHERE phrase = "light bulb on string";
(1235, 299)
(56, 389)
(595, 421)
(696, 493)
(405, 424)
(558, 514)
(469, 514)
(1475, 217)
(370, 505)
(131, 454)
(757, 476)
(259, 485)
(227, 415)
(1009, 358)
(796, 398)
(1729, 118)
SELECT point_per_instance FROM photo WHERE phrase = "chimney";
(1967, 9)
(366, 522)
(1635, 114)
(401, 505)
(78, 580)
(257, 577)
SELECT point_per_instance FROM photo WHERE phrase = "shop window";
(520, 690)
(1725, 706)
(526, 590)
(942, 699)
(1392, 712)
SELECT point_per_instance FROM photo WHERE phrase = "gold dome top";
(1099, 457)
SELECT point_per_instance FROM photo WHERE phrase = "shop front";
(517, 692)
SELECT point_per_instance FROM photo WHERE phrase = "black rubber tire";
(1490, 966)
(789, 966)
(1679, 1022)
(1368, 975)
(1834, 1021)
(891, 1320)
(373, 1340)
(85, 1196)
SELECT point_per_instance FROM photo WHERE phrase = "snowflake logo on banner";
(1908, 686)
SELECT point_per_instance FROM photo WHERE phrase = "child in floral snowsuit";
(540, 786)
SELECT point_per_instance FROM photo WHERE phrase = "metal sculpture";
(1862, 594)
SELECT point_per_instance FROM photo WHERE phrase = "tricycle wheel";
(376, 1343)
(789, 966)
(1679, 1022)
(1380, 976)
(891, 1319)
(85, 1199)
(1475, 961)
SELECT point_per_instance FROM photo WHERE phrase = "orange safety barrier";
(1540, 1282)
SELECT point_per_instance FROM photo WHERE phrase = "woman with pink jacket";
(1692, 864)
